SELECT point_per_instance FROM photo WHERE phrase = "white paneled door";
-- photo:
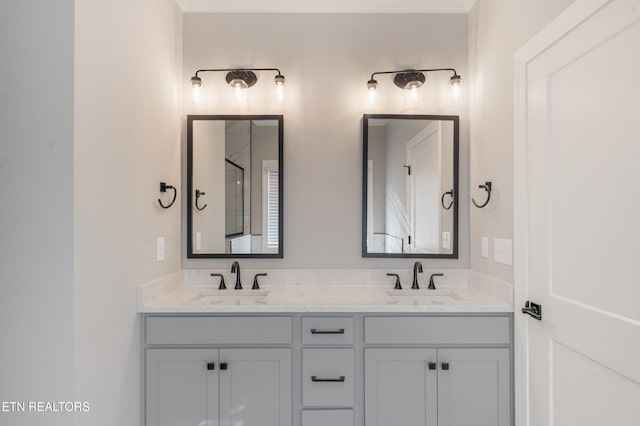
(577, 187)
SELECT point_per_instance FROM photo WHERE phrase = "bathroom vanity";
(339, 356)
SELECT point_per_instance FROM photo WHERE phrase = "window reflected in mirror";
(234, 169)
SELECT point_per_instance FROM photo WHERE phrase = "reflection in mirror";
(235, 169)
(410, 186)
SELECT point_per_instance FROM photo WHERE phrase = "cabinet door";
(255, 387)
(182, 389)
(400, 389)
(475, 388)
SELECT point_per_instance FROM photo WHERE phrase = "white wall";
(36, 206)
(327, 60)
(497, 28)
(209, 177)
(127, 133)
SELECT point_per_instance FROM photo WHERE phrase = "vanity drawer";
(327, 417)
(437, 330)
(218, 330)
(327, 331)
(327, 377)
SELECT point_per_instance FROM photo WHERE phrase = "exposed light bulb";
(280, 92)
(196, 94)
(455, 91)
(413, 93)
(237, 91)
(372, 96)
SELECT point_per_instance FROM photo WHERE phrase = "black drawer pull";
(432, 366)
(315, 379)
(445, 365)
(211, 366)
(315, 331)
(223, 366)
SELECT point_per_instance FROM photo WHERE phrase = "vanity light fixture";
(238, 78)
(413, 79)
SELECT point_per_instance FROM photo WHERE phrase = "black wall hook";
(442, 200)
(198, 195)
(163, 188)
(486, 187)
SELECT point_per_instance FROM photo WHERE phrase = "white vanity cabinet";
(193, 385)
(328, 368)
(444, 384)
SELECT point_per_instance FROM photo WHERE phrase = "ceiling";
(327, 6)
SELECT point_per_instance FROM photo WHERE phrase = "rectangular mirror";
(234, 186)
(410, 186)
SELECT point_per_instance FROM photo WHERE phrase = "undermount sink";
(425, 293)
(232, 294)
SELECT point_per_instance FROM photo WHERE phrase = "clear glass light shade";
(455, 87)
(196, 93)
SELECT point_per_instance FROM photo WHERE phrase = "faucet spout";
(432, 285)
(235, 269)
(417, 269)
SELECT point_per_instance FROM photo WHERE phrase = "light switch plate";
(484, 243)
(446, 240)
(503, 251)
(160, 249)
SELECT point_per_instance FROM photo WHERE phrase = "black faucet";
(417, 269)
(397, 286)
(255, 281)
(222, 286)
(235, 269)
(432, 286)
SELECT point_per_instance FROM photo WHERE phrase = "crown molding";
(209, 6)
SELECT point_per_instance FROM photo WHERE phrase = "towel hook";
(163, 188)
(198, 195)
(442, 200)
(486, 187)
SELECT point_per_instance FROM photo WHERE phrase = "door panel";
(255, 389)
(180, 388)
(475, 389)
(582, 207)
(423, 155)
(399, 387)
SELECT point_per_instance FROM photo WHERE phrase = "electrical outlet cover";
(503, 251)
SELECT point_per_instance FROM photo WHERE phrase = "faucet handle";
(397, 286)
(255, 281)
(432, 285)
(222, 286)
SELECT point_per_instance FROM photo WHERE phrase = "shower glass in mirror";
(234, 186)
(410, 186)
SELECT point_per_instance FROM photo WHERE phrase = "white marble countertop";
(169, 297)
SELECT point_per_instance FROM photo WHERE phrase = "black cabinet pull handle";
(316, 379)
(340, 331)
(432, 366)
(211, 366)
(445, 366)
(223, 366)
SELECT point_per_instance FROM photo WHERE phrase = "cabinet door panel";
(255, 389)
(475, 389)
(180, 388)
(399, 387)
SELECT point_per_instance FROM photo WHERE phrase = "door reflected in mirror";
(410, 186)
(234, 169)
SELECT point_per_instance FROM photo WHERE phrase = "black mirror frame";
(189, 198)
(456, 177)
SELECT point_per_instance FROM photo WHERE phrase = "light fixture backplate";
(402, 79)
(249, 77)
